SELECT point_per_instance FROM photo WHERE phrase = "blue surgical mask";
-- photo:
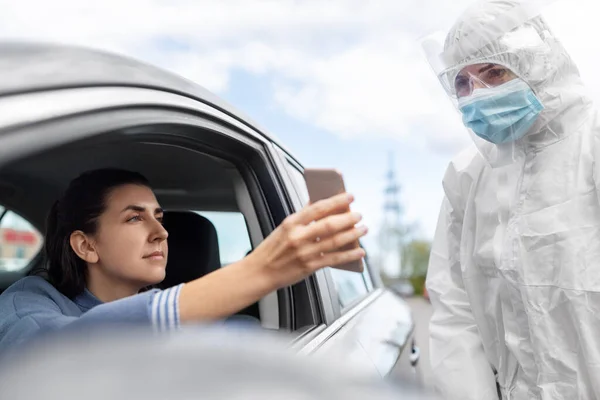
(503, 113)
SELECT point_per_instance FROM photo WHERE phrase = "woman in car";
(105, 243)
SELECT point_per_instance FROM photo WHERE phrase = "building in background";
(19, 242)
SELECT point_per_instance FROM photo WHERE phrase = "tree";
(417, 256)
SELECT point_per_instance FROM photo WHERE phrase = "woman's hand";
(310, 240)
(302, 244)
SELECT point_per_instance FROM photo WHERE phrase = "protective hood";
(515, 35)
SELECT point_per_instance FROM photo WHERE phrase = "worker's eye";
(462, 84)
(495, 75)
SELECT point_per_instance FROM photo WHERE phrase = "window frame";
(288, 164)
(319, 314)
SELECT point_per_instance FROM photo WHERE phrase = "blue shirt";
(32, 306)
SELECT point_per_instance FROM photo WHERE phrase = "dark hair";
(78, 209)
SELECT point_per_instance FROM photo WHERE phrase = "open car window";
(232, 234)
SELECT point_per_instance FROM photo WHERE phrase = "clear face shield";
(492, 65)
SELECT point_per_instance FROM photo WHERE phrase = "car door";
(364, 317)
(94, 116)
(331, 314)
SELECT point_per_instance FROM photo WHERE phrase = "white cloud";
(351, 67)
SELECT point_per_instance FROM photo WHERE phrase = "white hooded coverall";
(514, 274)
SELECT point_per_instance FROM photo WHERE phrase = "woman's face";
(131, 242)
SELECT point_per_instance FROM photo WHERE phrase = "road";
(421, 309)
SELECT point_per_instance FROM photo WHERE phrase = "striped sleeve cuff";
(165, 309)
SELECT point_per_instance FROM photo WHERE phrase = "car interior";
(184, 180)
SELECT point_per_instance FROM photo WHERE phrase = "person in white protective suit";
(514, 274)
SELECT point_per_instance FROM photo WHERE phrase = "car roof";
(32, 67)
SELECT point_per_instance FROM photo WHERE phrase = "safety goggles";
(478, 76)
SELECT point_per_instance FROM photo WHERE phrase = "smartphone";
(323, 184)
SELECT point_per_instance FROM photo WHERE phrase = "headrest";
(193, 247)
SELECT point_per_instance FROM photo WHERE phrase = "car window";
(350, 286)
(20, 242)
(299, 184)
(232, 233)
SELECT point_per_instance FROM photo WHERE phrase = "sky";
(342, 84)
